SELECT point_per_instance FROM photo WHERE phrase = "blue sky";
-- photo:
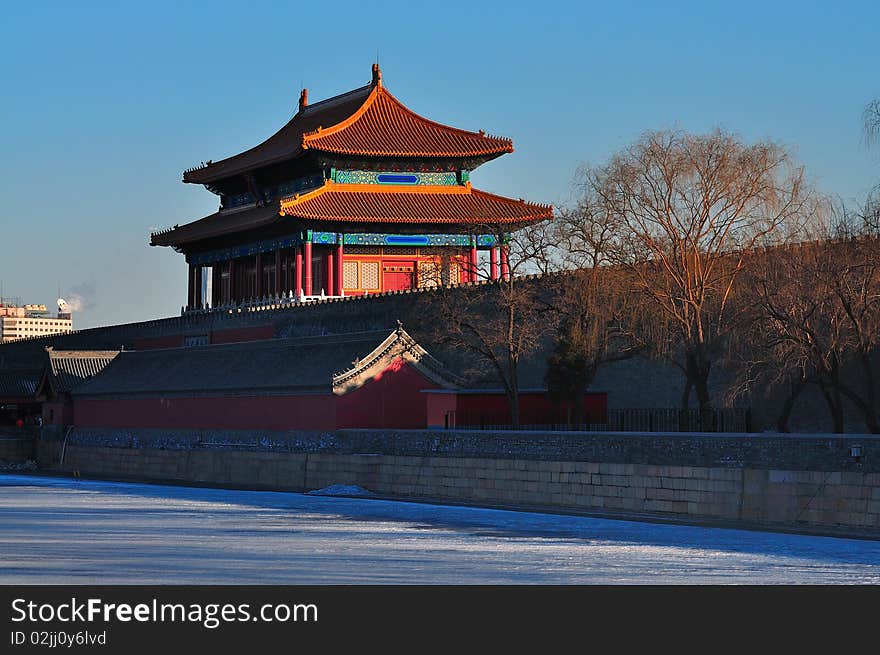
(105, 104)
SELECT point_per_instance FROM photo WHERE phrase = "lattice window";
(402, 251)
(429, 274)
(350, 275)
(369, 275)
(453, 271)
(363, 250)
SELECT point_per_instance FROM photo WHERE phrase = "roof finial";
(303, 99)
(377, 75)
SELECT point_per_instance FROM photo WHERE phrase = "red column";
(307, 256)
(339, 275)
(505, 264)
(328, 287)
(278, 289)
(259, 270)
(493, 262)
(473, 263)
(298, 272)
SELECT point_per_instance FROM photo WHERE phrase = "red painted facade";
(393, 398)
(290, 412)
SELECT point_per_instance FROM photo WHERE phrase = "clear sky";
(104, 105)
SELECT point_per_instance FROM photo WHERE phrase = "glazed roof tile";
(286, 143)
(19, 383)
(368, 203)
(365, 122)
(218, 224)
(272, 366)
(384, 127)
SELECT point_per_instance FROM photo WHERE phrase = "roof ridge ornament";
(377, 75)
(303, 99)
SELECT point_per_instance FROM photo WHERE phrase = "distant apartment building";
(19, 322)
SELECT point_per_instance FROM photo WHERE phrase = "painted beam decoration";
(408, 178)
(270, 245)
(410, 240)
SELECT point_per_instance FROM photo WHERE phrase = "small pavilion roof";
(365, 122)
(370, 203)
(68, 369)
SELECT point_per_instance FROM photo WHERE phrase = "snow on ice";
(64, 531)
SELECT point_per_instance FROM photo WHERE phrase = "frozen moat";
(65, 531)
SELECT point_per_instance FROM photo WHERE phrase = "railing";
(261, 304)
(733, 419)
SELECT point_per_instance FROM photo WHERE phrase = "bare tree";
(537, 247)
(871, 119)
(497, 322)
(682, 212)
(598, 316)
(814, 316)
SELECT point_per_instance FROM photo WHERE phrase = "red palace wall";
(152, 343)
(393, 398)
(217, 336)
(243, 334)
(307, 412)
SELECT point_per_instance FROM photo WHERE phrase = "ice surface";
(58, 530)
(340, 490)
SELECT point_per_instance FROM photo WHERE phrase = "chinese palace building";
(356, 194)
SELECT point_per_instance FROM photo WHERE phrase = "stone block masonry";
(792, 482)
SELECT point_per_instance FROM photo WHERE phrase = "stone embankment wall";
(16, 447)
(826, 483)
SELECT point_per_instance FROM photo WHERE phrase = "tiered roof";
(370, 126)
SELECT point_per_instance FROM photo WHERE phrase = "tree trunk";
(683, 422)
(872, 421)
(707, 415)
(512, 361)
(835, 407)
(513, 403)
(787, 407)
(577, 401)
(697, 370)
